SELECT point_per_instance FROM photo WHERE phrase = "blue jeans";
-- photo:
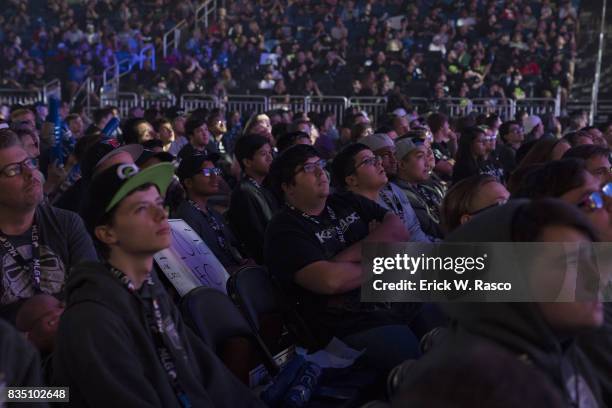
(386, 346)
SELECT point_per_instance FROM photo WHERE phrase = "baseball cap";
(102, 151)
(112, 185)
(400, 112)
(377, 141)
(148, 154)
(530, 122)
(403, 147)
(191, 165)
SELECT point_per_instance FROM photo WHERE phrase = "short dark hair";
(436, 121)
(552, 179)
(531, 219)
(504, 129)
(71, 117)
(129, 131)
(247, 145)
(344, 163)
(151, 144)
(101, 113)
(159, 122)
(192, 124)
(572, 137)
(585, 152)
(282, 170)
(289, 139)
(459, 199)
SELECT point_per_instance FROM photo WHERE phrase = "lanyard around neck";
(34, 265)
(156, 326)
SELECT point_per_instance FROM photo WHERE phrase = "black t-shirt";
(294, 241)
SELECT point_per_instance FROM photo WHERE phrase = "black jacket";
(106, 355)
(251, 209)
(520, 327)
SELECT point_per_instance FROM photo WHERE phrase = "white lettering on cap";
(125, 171)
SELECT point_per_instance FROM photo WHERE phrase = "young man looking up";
(38, 243)
(251, 204)
(412, 174)
(197, 132)
(313, 245)
(200, 178)
(121, 340)
(358, 169)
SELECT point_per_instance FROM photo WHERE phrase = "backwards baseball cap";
(403, 147)
(104, 150)
(377, 141)
(112, 185)
(191, 165)
(530, 122)
(400, 112)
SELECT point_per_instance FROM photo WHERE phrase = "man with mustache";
(38, 243)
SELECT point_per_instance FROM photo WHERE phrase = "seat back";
(268, 312)
(215, 319)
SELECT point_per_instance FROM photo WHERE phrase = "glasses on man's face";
(312, 167)
(210, 171)
(596, 200)
(602, 172)
(370, 161)
(15, 169)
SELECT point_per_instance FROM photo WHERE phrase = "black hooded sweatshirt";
(520, 327)
(106, 354)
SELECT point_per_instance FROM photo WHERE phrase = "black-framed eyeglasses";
(596, 200)
(210, 171)
(370, 161)
(15, 169)
(311, 167)
(488, 207)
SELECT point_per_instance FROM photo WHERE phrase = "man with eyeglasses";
(389, 195)
(38, 243)
(201, 178)
(313, 246)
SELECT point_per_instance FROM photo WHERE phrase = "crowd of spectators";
(434, 49)
(82, 216)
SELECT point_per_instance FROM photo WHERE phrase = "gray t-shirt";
(63, 243)
(392, 198)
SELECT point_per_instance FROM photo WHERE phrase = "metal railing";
(190, 102)
(112, 75)
(172, 38)
(20, 97)
(205, 11)
(84, 92)
(52, 88)
(124, 101)
(374, 106)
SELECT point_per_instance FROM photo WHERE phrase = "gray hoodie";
(106, 354)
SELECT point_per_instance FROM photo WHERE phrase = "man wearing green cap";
(121, 341)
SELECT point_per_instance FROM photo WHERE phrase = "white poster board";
(189, 263)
